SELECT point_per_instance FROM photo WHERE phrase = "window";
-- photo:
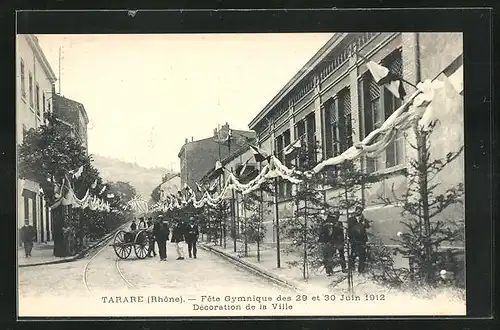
(311, 137)
(374, 117)
(345, 119)
(43, 104)
(37, 99)
(30, 91)
(23, 86)
(379, 104)
(394, 154)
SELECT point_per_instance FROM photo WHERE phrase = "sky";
(144, 94)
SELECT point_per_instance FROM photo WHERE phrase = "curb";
(81, 254)
(257, 270)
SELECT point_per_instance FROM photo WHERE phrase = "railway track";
(117, 266)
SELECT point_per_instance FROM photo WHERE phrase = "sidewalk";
(317, 281)
(43, 253)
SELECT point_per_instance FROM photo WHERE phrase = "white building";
(34, 88)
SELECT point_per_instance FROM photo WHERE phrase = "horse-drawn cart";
(124, 241)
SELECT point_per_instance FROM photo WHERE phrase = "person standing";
(358, 237)
(177, 238)
(28, 235)
(160, 233)
(326, 243)
(338, 239)
(192, 233)
(152, 240)
(142, 223)
(133, 226)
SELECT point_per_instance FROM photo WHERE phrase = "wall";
(437, 51)
(27, 117)
(172, 186)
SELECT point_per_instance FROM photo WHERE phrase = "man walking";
(160, 233)
(28, 235)
(177, 238)
(192, 233)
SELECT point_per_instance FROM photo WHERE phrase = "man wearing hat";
(160, 233)
(358, 238)
(28, 235)
(178, 237)
(152, 240)
(192, 233)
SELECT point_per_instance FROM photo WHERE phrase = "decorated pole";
(261, 215)
(233, 219)
(276, 209)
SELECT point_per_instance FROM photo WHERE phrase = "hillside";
(143, 179)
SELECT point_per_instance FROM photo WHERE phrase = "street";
(103, 272)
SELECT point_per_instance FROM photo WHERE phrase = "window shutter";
(373, 89)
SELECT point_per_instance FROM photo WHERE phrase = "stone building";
(335, 101)
(74, 115)
(34, 97)
(198, 158)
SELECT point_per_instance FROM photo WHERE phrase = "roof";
(247, 134)
(33, 42)
(303, 72)
(75, 103)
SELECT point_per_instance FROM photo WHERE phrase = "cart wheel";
(141, 245)
(120, 246)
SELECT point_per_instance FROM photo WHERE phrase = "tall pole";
(278, 259)
(59, 78)
(245, 225)
(261, 215)
(233, 219)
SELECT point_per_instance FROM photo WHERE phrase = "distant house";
(172, 185)
(199, 157)
(73, 114)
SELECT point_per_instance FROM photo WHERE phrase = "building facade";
(198, 158)
(335, 101)
(34, 100)
(172, 185)
(74, 115)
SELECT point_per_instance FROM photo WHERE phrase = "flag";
(291, 147)
(102, 190)
(94, 185)
(198, 187)
(77, 173)
(244, 167)
(259, 154)
(219, 169)
(455, 75)
(383, 76)
(111, 196)
(212, 187)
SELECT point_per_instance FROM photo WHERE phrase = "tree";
(253, 230)
(303, 228)
(124, 190)
(422, 205)
(348, 180)
(49, 153)
(46, 156)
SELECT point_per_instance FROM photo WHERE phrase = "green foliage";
(123, 191)
(253, 229)
(48, 152)
(303, 229)
(422, 204)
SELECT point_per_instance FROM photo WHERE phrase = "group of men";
(331, 239)
(182, 231)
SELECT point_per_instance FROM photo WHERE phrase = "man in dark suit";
(178, 237)
(152, 240)
(28, 235)
(331, 239)
(192, 233)
(160, 233)
(358, 237)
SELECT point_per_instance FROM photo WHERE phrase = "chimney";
(192, 139)
(185, 141)
(215, 131)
